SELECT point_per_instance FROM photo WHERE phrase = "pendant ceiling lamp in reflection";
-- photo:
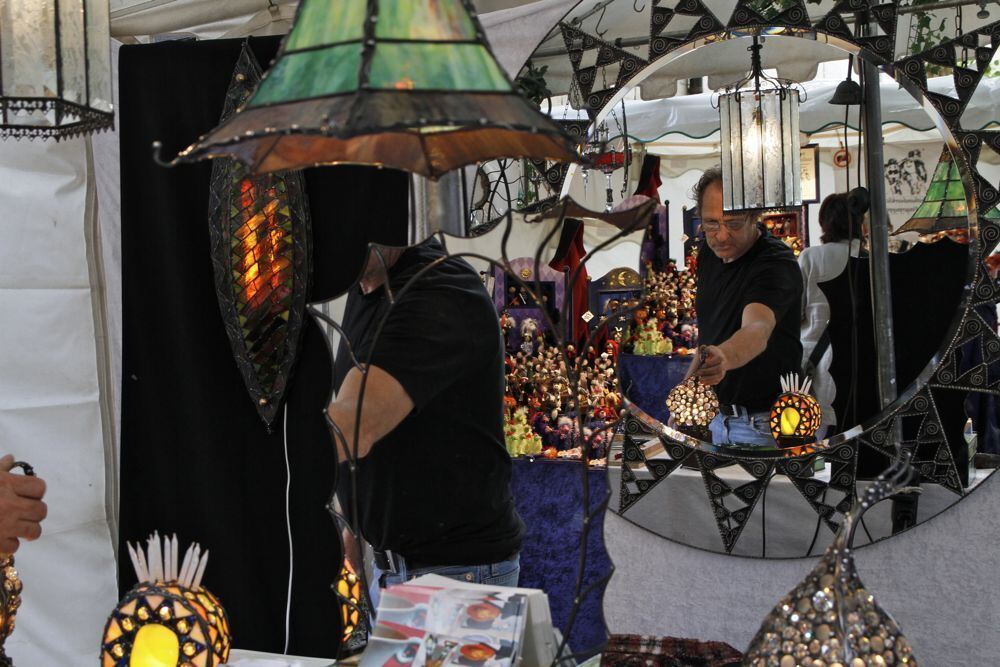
(759, 122)
(944, 207)
(55, 68)
(409, 85)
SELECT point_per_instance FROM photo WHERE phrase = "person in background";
(21, 507)
(842, 229)
(749, 289)
(433, 473)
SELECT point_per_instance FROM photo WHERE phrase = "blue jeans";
(747, 430)
(505, 573)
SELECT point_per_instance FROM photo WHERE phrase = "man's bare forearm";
(746, 344)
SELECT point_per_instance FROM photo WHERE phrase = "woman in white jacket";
(821, 263)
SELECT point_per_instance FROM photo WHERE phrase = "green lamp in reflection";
(944, 207)
(409, 85)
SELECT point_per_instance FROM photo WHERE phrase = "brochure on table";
(441, 622)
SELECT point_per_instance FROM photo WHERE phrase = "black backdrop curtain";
(927, 283)
(195, 457)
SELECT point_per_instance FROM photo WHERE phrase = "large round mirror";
(775, 355)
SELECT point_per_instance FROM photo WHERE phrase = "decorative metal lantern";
(168, 618)
(830, 618)
(10, 600)
(352, 610)
(10, 587)
(55, 59)
(408, 85)
(759, 123)
(796, 415)
(603, 155)
(261, 239)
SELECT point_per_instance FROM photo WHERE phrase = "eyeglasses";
(731, 225)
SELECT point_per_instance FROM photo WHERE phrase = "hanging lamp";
(944, 207)
(408, 85)
(55, 68)
(759, 122)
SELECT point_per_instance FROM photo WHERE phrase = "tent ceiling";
(691, 121)
(214, 18)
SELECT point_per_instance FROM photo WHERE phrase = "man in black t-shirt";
(749, 291)
(433, 475)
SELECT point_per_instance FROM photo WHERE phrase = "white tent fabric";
(50, 412)
(693, 116)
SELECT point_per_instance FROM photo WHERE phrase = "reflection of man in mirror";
(433, 474)
(749, 291)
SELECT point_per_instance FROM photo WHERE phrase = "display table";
(238, 658)
(646, 381)
(549, 497)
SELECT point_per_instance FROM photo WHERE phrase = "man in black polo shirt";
(433, 476)
(749, 291)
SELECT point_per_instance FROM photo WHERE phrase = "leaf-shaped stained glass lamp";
(409, 85)
(260, 233)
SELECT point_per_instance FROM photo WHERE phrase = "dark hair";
(837, 220)
(712, 175)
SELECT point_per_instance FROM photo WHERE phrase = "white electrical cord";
(288, 523)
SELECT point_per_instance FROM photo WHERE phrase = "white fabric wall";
(50, 413)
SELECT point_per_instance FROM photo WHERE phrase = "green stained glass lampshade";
(410, 85)
(944, 206)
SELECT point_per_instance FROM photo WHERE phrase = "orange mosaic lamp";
(168, 619)
(796, 415)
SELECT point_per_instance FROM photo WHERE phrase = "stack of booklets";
(440, 622)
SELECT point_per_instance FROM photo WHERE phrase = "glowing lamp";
(796, 415)
(348, 589)
(261, 238)
(692, 407)
(168, 619)
(759, 123)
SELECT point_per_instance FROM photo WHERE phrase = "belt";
(727, 410)
(394, 563)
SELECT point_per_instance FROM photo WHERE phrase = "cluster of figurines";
(540, 381)
(665, 323)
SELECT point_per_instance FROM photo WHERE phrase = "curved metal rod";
(600, 18)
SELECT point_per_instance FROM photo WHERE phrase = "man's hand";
(715, 365)
(21, 507)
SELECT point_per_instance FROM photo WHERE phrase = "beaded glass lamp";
(830, 618)
(10, 600)
(796, 415)
(168, 619)
(692, 407)
(409, 85)
(10, 588)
